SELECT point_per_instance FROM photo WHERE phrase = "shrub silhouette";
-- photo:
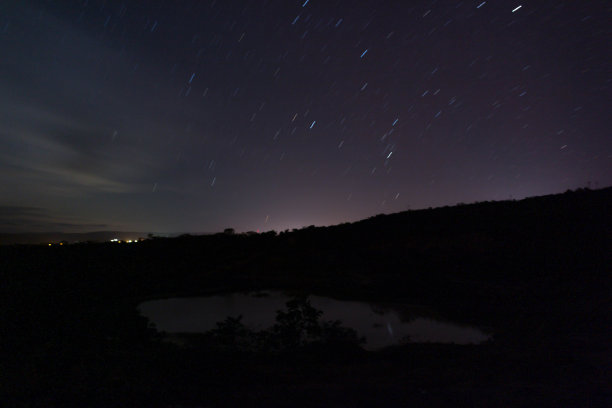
(297, 326)
(232, 333)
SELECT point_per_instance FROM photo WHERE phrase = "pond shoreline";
(381, 325)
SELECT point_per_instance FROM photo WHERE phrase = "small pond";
(381, 326)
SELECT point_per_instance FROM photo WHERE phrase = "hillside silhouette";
(535, 273)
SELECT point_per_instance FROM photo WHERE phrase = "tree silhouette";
(297, 326)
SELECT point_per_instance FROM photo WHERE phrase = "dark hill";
(535, 273)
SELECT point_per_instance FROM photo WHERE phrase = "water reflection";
(380, 326)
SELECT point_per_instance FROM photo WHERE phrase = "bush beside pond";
(298, 327)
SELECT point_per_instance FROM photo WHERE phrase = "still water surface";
(381, 326)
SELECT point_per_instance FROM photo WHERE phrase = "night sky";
(195, 116)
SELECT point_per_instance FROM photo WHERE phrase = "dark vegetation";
(298, 328)
(535, 272)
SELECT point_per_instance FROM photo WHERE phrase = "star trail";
(194, 116)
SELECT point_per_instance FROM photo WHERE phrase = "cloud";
(15, 219)
(58, 128)
(83, 131)
(43, 163)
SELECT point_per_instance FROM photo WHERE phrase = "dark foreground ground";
(535, 273)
